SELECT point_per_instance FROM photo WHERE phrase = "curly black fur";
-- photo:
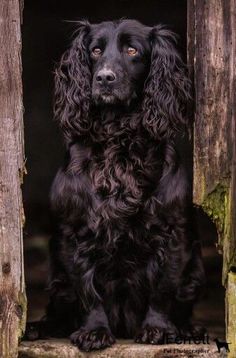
(125, 261)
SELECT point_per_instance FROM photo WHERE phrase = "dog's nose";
(105, 76)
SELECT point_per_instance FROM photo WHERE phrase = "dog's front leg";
(95, 332)
(157, 327)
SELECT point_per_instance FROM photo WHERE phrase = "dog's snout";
(105, 76)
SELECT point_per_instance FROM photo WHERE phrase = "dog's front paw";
(189, 330)
(155, 335)
(98, 338)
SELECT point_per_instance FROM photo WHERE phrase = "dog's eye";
(97, 52)
(131, 51)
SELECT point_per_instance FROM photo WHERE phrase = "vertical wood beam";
(12, 289)
(214, 187)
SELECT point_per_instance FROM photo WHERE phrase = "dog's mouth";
(105, 97)
(113, 96)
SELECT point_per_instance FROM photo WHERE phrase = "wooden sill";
(60, 348)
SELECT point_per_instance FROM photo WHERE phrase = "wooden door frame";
(211, 57)
(12, 287)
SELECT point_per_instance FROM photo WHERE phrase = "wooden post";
(12, 290)
(214, 42)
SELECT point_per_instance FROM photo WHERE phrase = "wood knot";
(6, 268)
(19, 310)
(2, 306)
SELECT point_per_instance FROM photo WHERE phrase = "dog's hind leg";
(62, 314)
(188, 293)
(62, 311)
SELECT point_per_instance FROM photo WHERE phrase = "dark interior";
(47, 29)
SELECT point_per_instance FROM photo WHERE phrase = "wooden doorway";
(211, 54)
(212, 50)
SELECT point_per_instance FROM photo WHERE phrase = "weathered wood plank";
(12, 291)
(214, 44)
(56, 348)
(231, 313)
(213, 140)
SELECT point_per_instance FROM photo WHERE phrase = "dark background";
(47, 32)
(46, 35)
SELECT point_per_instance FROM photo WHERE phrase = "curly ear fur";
(167, 89)
(72, 87)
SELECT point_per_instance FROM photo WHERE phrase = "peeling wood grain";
(12, 290)
(55, 348)
(21, 5)
(231, 313)
(214, 139)
(214, 43)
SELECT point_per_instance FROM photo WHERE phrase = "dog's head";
(120, 57)
(115, 64)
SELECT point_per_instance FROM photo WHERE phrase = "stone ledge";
(60, 348)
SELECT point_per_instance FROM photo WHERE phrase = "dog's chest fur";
(122, 174)
(121, 178)
(121, 171)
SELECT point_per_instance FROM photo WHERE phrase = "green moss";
(23, 312)
(216, 205)
(22, 172)
(231, 313)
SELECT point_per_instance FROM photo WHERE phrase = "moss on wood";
(231, 313)
(23, 310)
(215, 204)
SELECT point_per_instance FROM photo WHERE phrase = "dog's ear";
(73, 86)
(167, 88)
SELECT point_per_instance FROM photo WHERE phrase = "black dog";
(125, 262)
(221, 345)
